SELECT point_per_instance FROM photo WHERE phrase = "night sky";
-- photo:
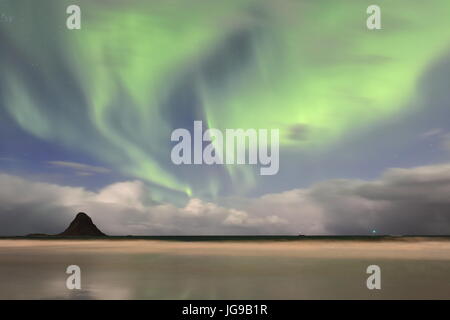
(364, 115)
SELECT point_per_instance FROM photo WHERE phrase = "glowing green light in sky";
(302, 63)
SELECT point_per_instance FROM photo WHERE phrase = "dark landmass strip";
(221, 238)
(82, 227)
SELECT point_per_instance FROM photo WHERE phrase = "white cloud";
(446, 142)
(402, 201)
(121, 208)
(441, 136)
(432, 133)
(81, 169)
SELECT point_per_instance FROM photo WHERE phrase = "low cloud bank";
(402, 201)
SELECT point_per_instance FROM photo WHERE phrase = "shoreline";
(227, 238)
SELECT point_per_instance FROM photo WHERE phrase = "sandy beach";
(417, 268)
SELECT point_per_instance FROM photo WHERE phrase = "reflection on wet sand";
(148, 269)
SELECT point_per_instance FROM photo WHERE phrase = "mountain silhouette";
(82, 225)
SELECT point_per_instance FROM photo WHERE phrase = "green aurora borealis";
(242, 63)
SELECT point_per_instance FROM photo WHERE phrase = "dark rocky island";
(81, 226)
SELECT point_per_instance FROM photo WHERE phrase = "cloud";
(80, 168)
(401, 201)
(432, 133)
(446, 142)
(298, 132)
(121, 208)
(440, 135)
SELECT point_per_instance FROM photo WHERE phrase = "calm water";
(148, 269)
